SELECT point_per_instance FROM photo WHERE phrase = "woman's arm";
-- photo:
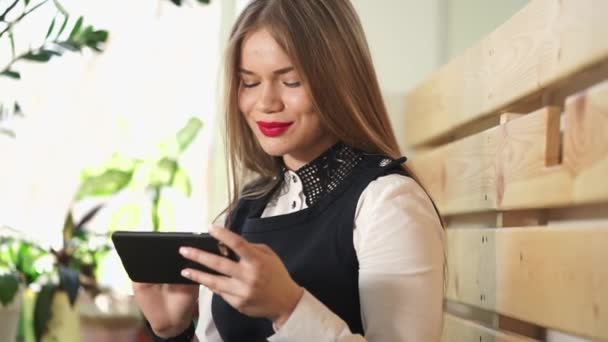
(399, 243)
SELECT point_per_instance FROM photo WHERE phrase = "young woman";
(337, 241)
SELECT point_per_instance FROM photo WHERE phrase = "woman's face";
(276, 103)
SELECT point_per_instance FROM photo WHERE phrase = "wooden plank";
(586, 143)
(518, 165)
(544, 43)
(472, 174)
(456, 329)
(553, 277)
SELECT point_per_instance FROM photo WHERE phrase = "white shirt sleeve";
(399, 243)
(206, 331)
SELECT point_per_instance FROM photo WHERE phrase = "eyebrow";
(276, 72)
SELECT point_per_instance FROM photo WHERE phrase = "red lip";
(273, 128)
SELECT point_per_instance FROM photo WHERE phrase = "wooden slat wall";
(456, 329)
(526, 196)
(547, 41)
(555, 277)
(517, 164)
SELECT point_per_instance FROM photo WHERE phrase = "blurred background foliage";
(25, 263)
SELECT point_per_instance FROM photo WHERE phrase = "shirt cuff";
(311, 320)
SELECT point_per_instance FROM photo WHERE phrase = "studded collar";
(325, 173)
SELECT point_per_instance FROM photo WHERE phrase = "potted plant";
(34, 278)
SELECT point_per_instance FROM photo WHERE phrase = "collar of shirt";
(325, 173)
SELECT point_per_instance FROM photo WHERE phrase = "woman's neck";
(295, 161)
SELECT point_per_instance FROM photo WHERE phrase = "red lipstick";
(273, 128)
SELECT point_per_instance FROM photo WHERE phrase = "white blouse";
(399, 243)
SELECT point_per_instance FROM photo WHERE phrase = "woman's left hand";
(257, 285)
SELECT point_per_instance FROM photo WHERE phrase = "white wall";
(410, 39)
(467, 21)
(406, 41)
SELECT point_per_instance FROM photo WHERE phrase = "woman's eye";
(292, 84)
(249, 85)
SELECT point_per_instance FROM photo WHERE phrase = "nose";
(269, 100)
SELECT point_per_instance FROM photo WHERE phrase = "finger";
(215, 262)
(215, 283)
(264, 248)
(182, 288)
(235, 242)
(141, 286)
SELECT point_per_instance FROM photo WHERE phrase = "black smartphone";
(153, 257)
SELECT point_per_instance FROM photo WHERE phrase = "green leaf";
(8, 252)
(108, 183)
(9, 285)
(68, 227)
(12, 40)
(93, 38)
(7, 10)
(61, 9)
(11, 74)
(27, 2)
(126, 217)
(69, 46)
(188, 133)
(40, 56)
(80, 226)
(69, 282)
(51, 27)
(63, 25)
(164, 172)
(76, 28)
(206, 2)
(181, 182)
(42, 309)
(27, 255)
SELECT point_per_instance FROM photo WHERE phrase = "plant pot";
(109, 317)
(63, 325)
(9, 318)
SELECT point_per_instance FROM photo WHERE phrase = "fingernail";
(185, 273)
(183, 251)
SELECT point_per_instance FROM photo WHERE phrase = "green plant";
(55, 43)
(67, 269)
(23, 261)
(150, 175)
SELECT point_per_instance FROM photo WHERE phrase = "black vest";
(316, 246)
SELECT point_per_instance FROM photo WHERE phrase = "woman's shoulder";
(395, 191)
(393, 184)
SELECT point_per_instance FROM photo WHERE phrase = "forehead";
(261, 52)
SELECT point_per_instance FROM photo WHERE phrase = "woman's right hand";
(169, 308)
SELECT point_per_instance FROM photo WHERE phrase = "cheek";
(298, 102)
(246, 102)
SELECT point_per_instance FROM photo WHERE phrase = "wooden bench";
(511, 141)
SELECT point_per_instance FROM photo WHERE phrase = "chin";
(276, 148)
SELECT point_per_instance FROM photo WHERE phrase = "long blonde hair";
(325, 42)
